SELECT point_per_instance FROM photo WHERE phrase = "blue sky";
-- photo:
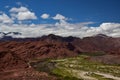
(79, 18)
(79, 10)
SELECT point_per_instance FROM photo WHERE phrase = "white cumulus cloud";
(59, 17)
(79, 30)
(22, 13)
(20, 9)
(4, 18)
(62, 27)
(45, 16)
(26, 15)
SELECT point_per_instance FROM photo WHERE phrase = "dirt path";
(81, 74)
(108, 76)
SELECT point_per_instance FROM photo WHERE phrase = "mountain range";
(17, 52)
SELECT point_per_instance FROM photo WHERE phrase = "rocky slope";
(15, 53)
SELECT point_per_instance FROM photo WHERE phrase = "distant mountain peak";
(15, 33)
(6, 36)
(3, 34)
(52, 36)
(101, 35)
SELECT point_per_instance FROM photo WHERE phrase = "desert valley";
(54, 57)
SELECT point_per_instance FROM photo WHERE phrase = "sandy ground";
(108, 76)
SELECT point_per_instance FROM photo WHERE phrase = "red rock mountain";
(16, 52)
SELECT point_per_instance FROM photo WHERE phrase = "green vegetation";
(78, 68)
(63, 74)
